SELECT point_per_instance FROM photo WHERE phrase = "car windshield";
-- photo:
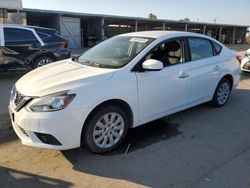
(115, 52)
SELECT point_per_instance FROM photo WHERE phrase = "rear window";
(43, 35)
(50, 37)
(217, 47)
(15, 35)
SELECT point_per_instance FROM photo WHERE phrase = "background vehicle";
(30, 47)
(245, 62)
(121, 83)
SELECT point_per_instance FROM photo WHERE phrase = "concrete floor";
(199, 147)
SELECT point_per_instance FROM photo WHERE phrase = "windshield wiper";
(91, 63)
(75, 59)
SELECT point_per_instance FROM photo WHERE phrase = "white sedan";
(123, 82)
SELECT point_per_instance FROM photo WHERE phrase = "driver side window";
(169, 53)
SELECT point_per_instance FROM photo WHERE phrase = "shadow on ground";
(15, 178)
(113, 164)
(245, 76)
(139, 138)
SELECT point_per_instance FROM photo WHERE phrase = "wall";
(12, 17)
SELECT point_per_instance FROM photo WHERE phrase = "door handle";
(184, 75)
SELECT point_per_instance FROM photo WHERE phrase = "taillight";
(239, 58)
(63, 43)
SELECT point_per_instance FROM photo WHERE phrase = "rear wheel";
(222, 93)
(106, 129)
(41, 61)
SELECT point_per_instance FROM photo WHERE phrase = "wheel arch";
(116, 102)
(45, 54)
(33, 58)
(229, 77)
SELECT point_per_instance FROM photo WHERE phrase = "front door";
(164, 91)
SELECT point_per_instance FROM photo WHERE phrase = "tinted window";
(168, 53)
(13, 35)
(43, 35)
(200, 48)
(217, 48)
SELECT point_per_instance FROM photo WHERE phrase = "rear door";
(206, 69)
(20, 43)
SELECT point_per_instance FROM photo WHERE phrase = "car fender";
(114, 89)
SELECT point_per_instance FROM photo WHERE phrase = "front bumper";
(65, 126)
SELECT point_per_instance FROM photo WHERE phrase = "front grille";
(18, 98)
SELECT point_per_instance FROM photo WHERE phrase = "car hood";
(60, 76)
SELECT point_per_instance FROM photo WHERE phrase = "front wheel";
(41, 61)
(222, 93)
(106, 129)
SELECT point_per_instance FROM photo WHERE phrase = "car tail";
(50, 36)
(239, 58)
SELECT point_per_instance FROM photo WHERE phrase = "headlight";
(51, 103)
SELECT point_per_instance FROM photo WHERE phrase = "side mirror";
(152, 65)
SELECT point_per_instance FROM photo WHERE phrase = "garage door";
(70, 29)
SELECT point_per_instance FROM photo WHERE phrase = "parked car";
(30, 47)
(121, 83)
(245, 62)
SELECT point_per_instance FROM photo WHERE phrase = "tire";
(221, 93)
(99, 131)
(41, 61)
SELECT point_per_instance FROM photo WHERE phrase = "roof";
(27, 26)
(42, 28)
(79, 14)
(158, 34)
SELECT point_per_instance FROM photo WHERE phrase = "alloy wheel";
(44, 62)
(108, 130)
(223, 93)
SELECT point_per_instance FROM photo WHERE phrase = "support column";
(136, 25)
(204, 29)
(163, 26)
(234, 35)
(186, 27)
(103, 29)
(220, 33)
